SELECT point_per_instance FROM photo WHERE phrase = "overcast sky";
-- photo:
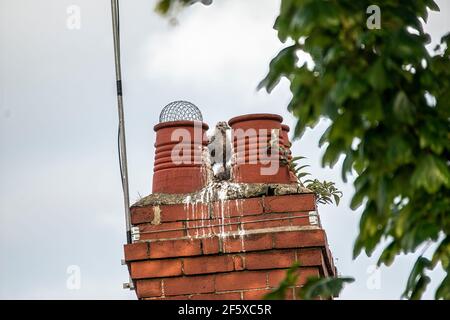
(60, 194)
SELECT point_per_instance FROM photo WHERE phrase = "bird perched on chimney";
(219, 147)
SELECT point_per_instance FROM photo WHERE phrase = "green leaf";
(324, 137)
(431, 173)
(347, 166)
(377, 76)
(434, 135)
(336, 199)
(446, 38)
(420, 288)
(348, 86)
(303, 167)
(407, 46)
(163, 6)
(418, 280)
(442, 254)
(432, 5)
(403, 108)
(313, 13)
(381, 195)
(443, 291)
(388, 255)
(290, 280)
(372, 108)
(298, 158)
(399, 151)
(280, 66)
(324, 288)
(303, 174)
(361, 188)
(332, 153)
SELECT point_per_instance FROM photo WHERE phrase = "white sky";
(60, 194)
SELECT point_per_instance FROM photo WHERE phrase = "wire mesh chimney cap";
(179, 111)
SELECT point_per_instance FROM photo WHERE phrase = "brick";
(232, 244)
(181, 297)
(195, 211)
(176, 212)
(260, 294)
(290, 203)
(275, 277)
(299, 239)
(148, 288)
(166, 230)
(310, 257)
(169, 213)
(210, 245)
(141, 214)
(238, 207)
(212, 226)
(217, 230)
(218, 296)
(175, 248)
(306, 273)
(297, 294)
(269, 260)
(298, 220)
(274, 220)
(209, 264)
(324, 272)
(240, 280)
(189, 285)
(252, 173)
(137, 251)
(239, 262)
(329, 262)
(155, 268)
(265, 221)
(291, 294)
(248, 242)
(256, 294)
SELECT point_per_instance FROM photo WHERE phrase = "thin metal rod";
(122, 143)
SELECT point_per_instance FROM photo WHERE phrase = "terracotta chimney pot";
(183, 172)
(251, 153)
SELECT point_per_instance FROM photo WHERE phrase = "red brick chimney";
(233, 240)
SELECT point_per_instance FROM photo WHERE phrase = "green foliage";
(325, 191)
(165, 6)
(323, 288)
(297, 169)
(289, 281)
(418, 280)
(314, 288)
(388, 100)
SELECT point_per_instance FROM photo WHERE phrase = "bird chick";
(219, 148)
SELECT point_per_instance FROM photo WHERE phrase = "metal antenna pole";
(122, 144)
